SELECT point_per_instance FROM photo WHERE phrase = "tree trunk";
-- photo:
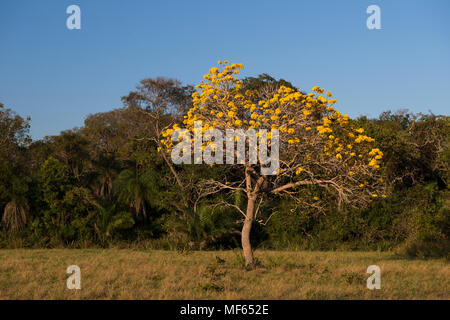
(245, 235)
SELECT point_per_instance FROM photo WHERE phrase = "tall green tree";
(137, 190)
(15, 214)
(14, 139)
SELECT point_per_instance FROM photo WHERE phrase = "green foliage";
(109, 222)
(137, 190)
(56, 181)
(105, 184)
(210, 226)
(252, 83)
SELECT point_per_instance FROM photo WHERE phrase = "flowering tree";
(317, 145)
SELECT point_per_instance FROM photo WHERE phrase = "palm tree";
(136, 190)
(106, 167)
(15, 214)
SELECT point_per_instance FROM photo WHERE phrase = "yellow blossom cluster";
(222, 102)
(377, 155)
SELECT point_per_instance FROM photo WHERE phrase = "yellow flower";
(321, 99)
(299, 170)
(274, 118)
(316, 198)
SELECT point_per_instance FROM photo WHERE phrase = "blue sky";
(59, 76)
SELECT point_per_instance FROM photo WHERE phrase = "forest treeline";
(105, 184)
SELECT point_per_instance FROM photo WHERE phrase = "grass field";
(135, 274)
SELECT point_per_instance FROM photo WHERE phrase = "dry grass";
(133, 274)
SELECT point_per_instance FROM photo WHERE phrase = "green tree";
(71, 148)
(14, 139)
(137, 190)
(15, 214)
